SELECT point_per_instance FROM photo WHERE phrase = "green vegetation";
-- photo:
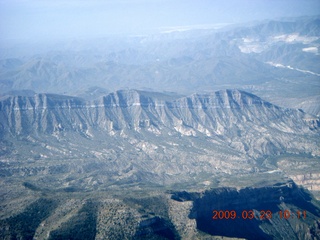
(24, 225)
(81, 226)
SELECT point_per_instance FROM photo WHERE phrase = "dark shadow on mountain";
(156, 228)
(24, 225)
(253, 199)
(81, 226)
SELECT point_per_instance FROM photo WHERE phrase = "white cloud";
(193, 27)
(311, 50)
(295, 37)
(250, 45)
(279, 65)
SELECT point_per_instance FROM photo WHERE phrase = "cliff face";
(246, 122)
(208, 113)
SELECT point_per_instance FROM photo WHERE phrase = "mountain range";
(146, 137)
(277, 60)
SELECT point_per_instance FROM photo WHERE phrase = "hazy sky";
(83, 18)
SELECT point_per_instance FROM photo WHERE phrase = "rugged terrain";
(81, 159)
(153, 214)
(150, 137)
(114, 167)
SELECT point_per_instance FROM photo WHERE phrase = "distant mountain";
(273, 59)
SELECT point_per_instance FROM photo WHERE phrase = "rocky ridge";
(232, 115)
